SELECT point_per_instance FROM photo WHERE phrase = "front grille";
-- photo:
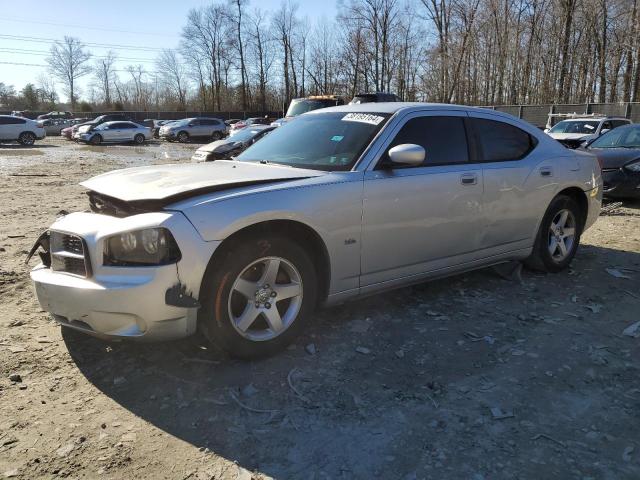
(69, 254)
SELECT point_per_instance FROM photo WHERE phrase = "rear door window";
(444, 139)
(500, 141)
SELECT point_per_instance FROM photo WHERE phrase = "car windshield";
(575, 126)
(322, 141)
(298, 107)
(244, 134)
(622, 137)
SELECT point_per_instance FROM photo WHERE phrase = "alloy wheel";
(562, 235)
(265, 298)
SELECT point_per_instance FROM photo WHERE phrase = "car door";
(112, 133)
(516, 181)
(5, 128)
(423, 218)
(196, 129)
(127, 131)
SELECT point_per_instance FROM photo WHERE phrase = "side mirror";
(604, 130)
(407, 154)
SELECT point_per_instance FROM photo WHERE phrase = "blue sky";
(143, 24)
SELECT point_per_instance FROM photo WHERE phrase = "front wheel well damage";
(580, 198)
(304, 235)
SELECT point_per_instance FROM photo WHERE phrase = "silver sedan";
(115, 132)
(341, 203)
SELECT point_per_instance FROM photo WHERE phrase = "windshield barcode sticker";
(363, 118)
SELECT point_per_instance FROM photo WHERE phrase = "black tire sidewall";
(95, 140)
(138, 136)
(183, 137)
(542, 258)
(27, 135)
(213, 316)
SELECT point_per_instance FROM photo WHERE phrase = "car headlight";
(633, 166)
(148, 247)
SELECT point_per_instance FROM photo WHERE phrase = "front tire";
(558, 236)
(258, 297)
(27, 138)
(183, 137)
(95, 140)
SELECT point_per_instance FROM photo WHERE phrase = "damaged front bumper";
(142, 302)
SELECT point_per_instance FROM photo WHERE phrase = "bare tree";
(104, 71)
(173, 76)
(68, 61)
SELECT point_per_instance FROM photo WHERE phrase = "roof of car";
(393, 107)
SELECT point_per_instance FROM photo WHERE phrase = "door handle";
(546, 171)
(469, 179)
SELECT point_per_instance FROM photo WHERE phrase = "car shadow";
(363, 376)
(18, 147)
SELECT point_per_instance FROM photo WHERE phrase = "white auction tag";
(363, 118)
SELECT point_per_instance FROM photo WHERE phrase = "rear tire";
(27, 138)
(215, 136)
(558, 236)
(139, 139)
(258, 297)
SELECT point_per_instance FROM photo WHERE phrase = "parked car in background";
(574, 132)
(618, 152)
(232, 145)
(231, 121)
(155, 130)
(86, 126)
(54, 126)
(22, 130)
(298, 106)
(340, 203)
(374, 98)
(249, 122)
(56, 116)
(24, 114)
(188, 128)
(116, 132)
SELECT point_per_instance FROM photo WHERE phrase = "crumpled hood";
(569, 136)
(218, 146)
(615, 157)
(163, 182)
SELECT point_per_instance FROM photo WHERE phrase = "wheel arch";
(580, 197)
(302, 233)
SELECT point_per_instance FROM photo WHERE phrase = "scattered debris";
(249, 391)
(293, 388)
(310, 349)
(43, 340)
(399, 353)
(549, 437)
(626, 455)
(363, 350)
(119, 380)
(15, 377)
(498, 414)
(594, 307)
(16, 349)
(632, 330)
(614, 272)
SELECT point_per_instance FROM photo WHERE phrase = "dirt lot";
(472, 377)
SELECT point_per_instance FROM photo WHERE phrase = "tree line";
(234, 56)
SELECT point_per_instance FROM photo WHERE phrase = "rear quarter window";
(499, 141)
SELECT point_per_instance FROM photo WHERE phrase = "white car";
(20, 129)
(574, 132)
(114, 132)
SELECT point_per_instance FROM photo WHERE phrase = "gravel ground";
(472, 377)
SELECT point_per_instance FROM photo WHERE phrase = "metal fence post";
(520, 111)
(627, 110)
(587, 108)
